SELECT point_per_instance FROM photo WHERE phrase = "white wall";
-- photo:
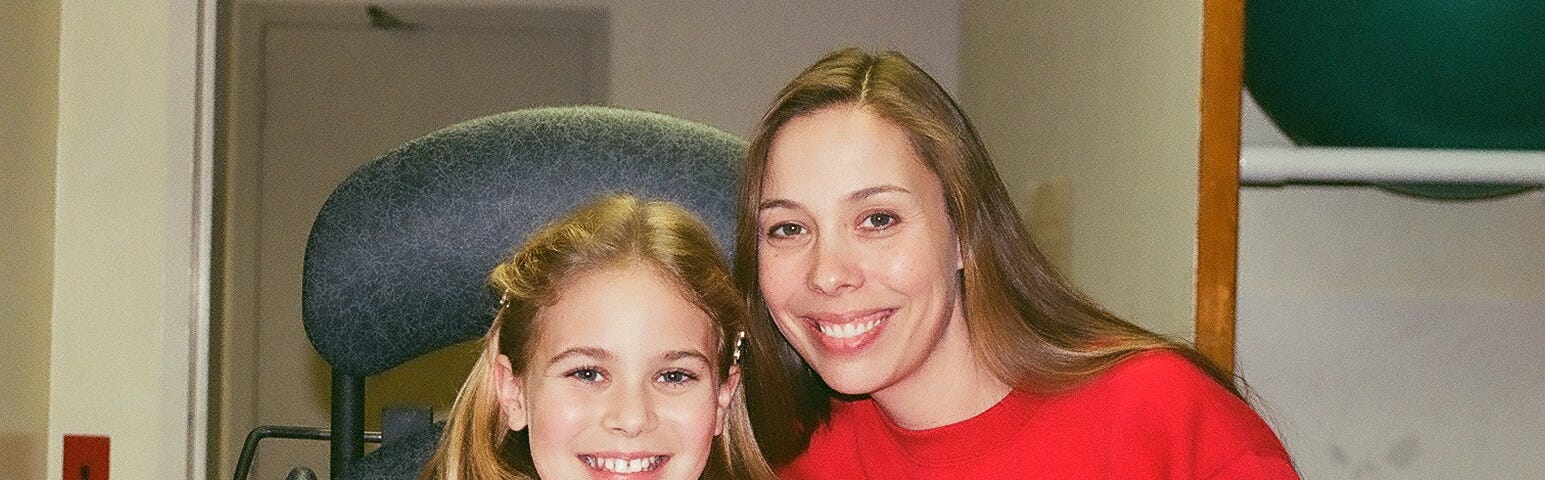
(122, 354)
(1391, 336)
(29, 50)
(1104, 96)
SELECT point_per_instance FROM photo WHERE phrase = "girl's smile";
(621, 384)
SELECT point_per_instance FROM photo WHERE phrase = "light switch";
(1049, 218)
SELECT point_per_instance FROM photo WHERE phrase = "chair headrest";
(397, 262)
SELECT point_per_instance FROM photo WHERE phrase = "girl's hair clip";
(740, 339)
(504, 303)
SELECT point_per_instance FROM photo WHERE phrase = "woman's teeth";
(848, 330)
(623, 465)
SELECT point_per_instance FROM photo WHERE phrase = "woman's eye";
(879, 221)
(783, 230)
(677, 377)
(587, 375)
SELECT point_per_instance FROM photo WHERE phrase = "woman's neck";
(950, 386)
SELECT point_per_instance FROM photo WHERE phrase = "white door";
(318, 92)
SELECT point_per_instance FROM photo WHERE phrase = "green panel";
(1401, 73)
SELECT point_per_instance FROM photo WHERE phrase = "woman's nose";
(834, 268)
(630, 411)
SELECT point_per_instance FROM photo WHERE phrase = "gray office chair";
(397, 261)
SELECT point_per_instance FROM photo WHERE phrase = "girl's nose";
(630, 411)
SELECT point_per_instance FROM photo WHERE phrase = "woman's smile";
(850, 332)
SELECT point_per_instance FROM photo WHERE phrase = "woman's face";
(620, 381)
(857, 259)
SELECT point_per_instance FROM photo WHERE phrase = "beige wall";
(1102, 95)
(29, 50)
(123, 352)
(721, 62)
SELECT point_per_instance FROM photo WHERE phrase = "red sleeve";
(1256, 465)
(1210, 432)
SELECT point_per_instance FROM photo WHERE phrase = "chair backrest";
(397, 261)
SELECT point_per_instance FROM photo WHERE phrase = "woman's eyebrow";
(861, 194)
(876, 190)
(597, 353)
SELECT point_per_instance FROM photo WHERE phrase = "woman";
(616, 353)
(923, 333)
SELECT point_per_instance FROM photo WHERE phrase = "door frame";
(1217, 223)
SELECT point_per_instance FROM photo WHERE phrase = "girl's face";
(620, 383)
(858, 261)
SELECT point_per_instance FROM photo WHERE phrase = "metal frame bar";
(1277, 165)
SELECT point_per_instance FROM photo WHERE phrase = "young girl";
(922, 332)
(616, 353)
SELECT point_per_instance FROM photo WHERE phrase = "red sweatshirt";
(1153, 416)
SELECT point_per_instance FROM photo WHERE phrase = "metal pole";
(348, 422)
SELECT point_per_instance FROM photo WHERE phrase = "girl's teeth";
(624, 466)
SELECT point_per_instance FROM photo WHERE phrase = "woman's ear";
(726, 395)
(960, 261)
(512, 398)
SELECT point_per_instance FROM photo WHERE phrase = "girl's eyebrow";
(597, 353)
(777, 203)
(674, 355)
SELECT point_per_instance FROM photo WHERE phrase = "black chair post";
(348, 422)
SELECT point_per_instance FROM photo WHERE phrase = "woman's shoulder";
(1157, 372)
(1163, 396)
(1158, 385)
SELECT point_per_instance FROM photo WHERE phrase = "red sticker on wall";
(85, 457)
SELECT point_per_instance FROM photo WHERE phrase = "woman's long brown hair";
(1027, 324)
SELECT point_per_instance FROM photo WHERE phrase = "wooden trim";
(1217, 225)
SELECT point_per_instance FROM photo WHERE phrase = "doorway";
(315, 92)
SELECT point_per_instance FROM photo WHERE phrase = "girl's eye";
(784, 230)
(677, 377)
(587, 375)
(879, 221)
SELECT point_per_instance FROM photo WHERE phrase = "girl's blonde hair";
(613, 231)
